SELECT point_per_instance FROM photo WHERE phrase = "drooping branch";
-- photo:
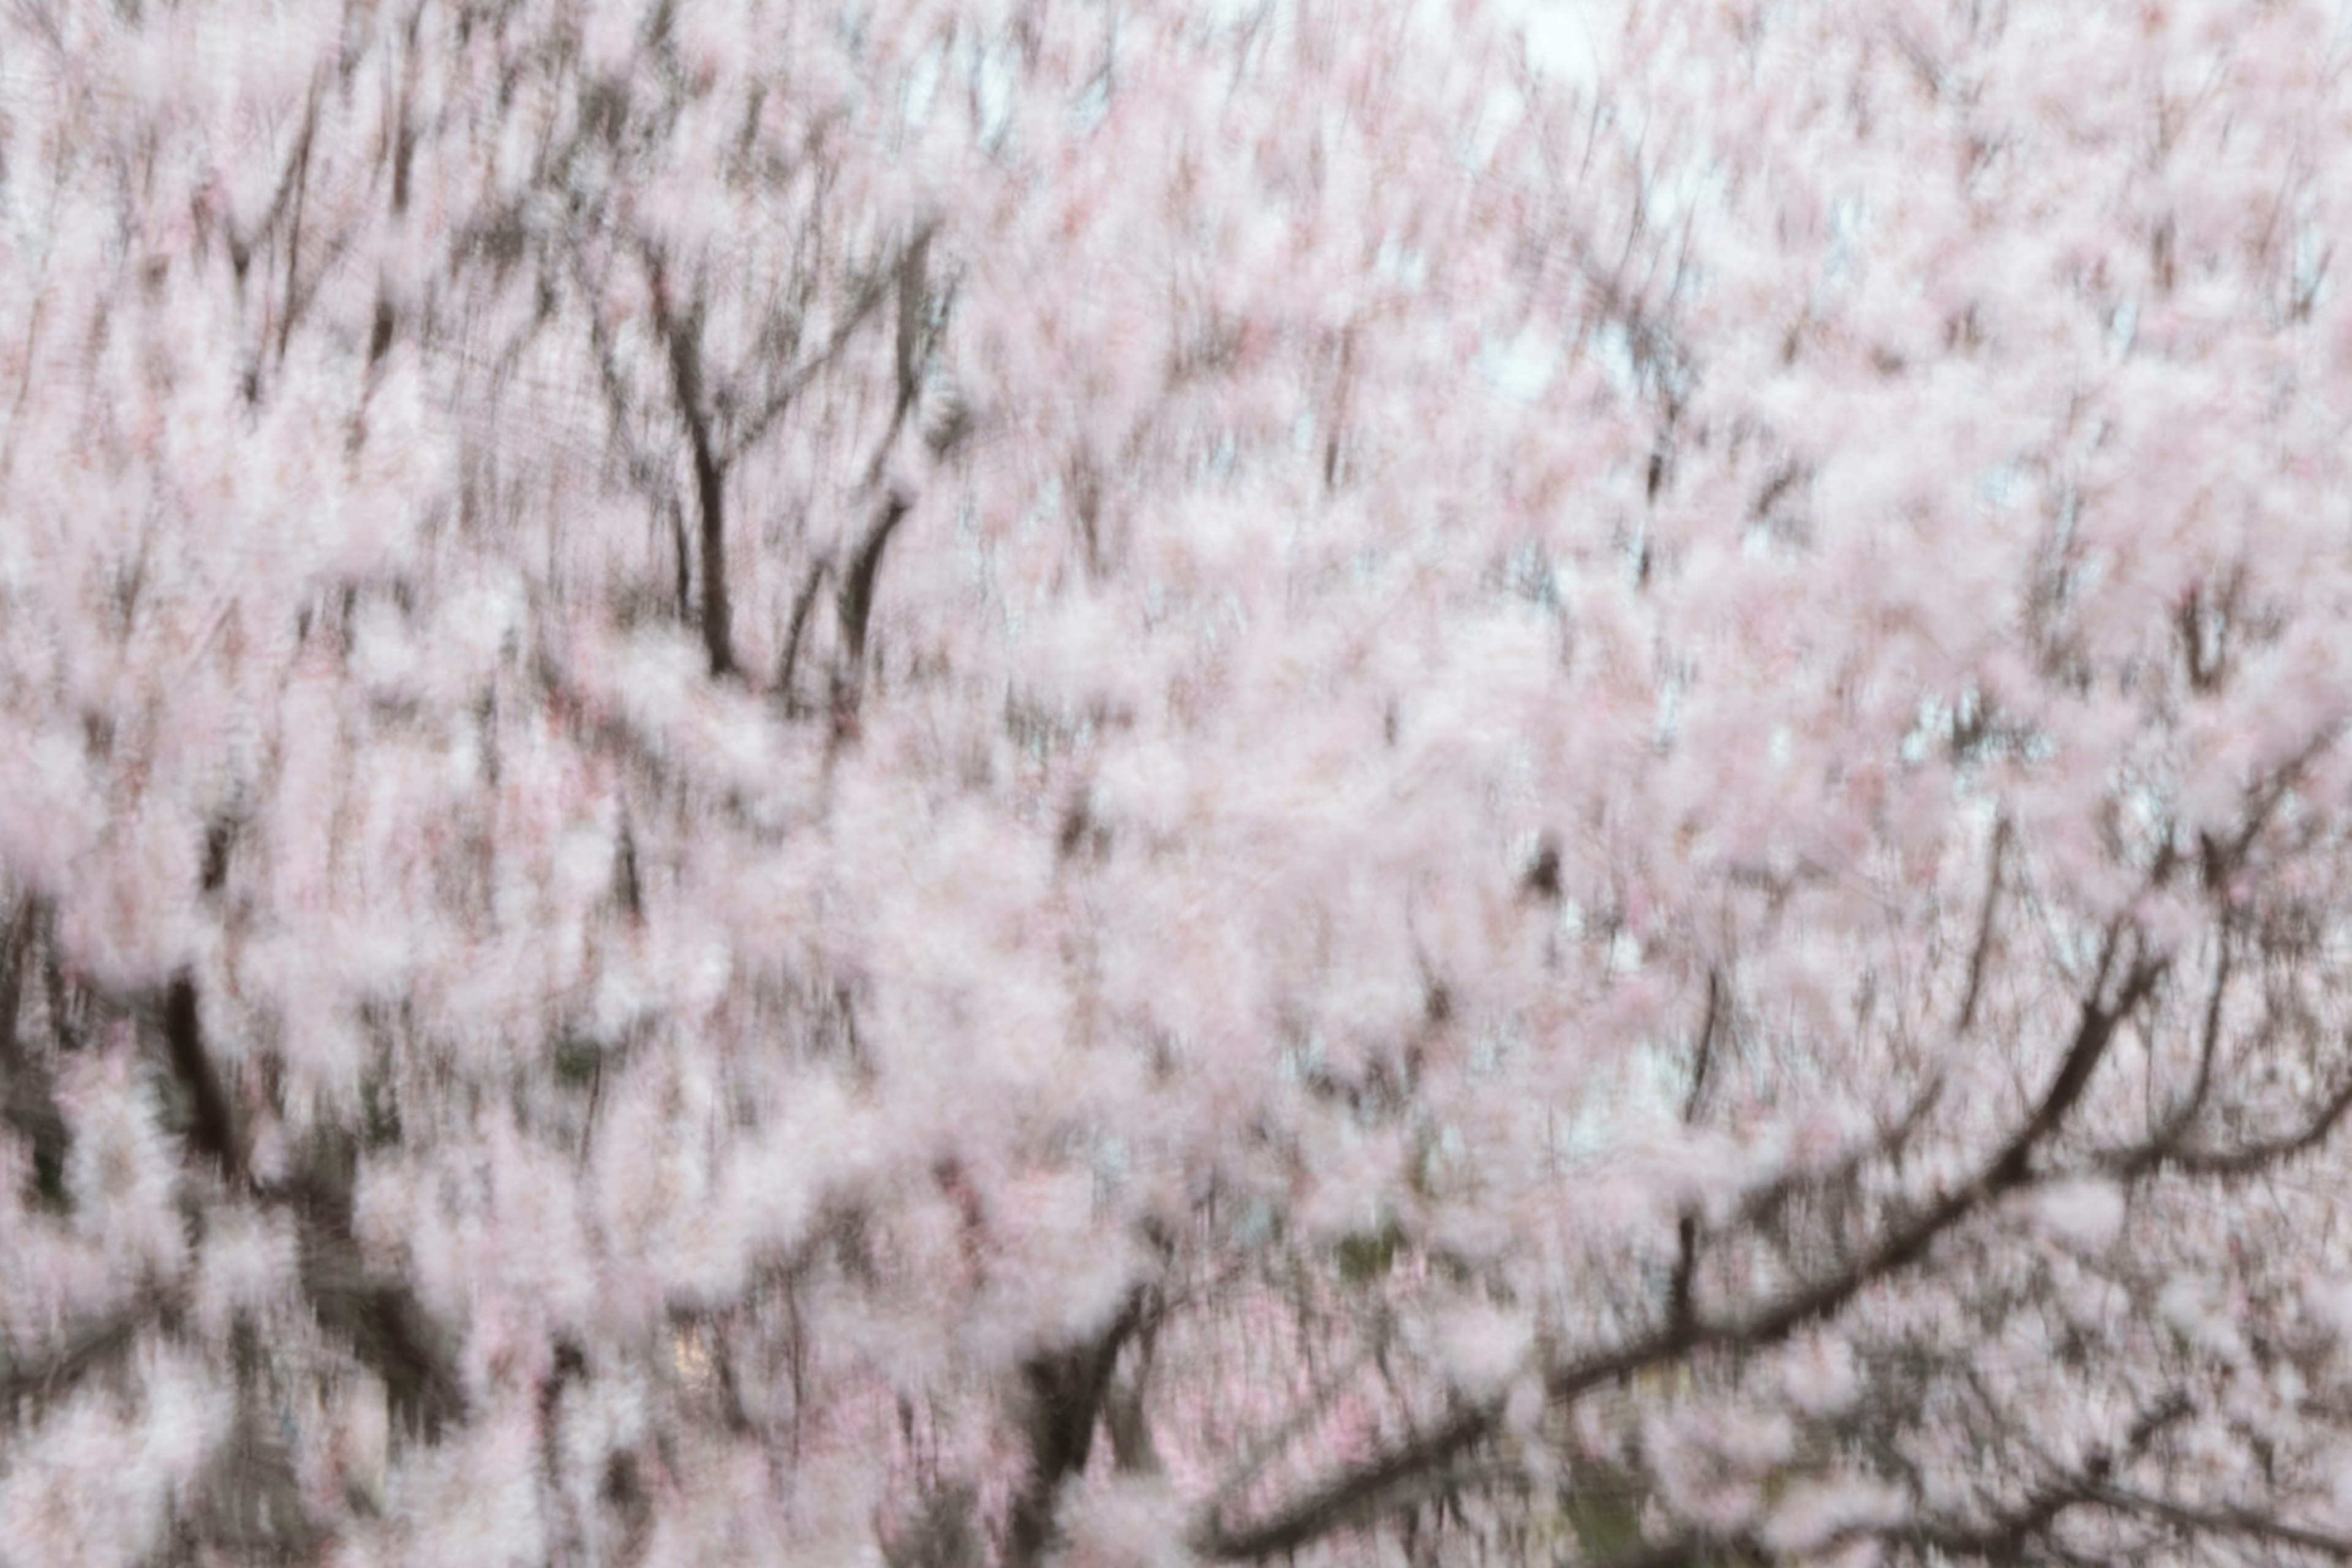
(286, 195)
(2209, 1047)
(1355, 1495)
(645, 472)
(1133, 1451)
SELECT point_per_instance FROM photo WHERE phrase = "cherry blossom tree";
(953, 782)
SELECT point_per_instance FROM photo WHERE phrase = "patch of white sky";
(1564, 44)
(1567, 48)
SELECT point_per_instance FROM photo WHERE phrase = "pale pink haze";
(1131, 782)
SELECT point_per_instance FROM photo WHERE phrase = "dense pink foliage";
(984, 780)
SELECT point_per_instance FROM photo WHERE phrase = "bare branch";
(2246, 1160)
(1980, 954)
(1366, 1488)
(682, 334)
(784, 393)
(864, 567)
(1680, 1306)
(803, 604)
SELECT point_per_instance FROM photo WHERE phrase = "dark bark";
(709, 492)
(211, 1129)
(788, 662)
(1366, 1489)
(378, 1317)
(27, 1094)
(1064, 1391)
(865, 569)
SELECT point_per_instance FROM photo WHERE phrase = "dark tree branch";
(1064, 1391)
(681, 555)
(1704, 1060)
(28, 1098)
(220, 839)
(291, 181)
(2246, 1160)
(1681, 1311)
(382, 1320)
(2004, 1538)
(15, 942)
(913, 290)
(1979, 955)
(865, 568)
(2209, 1047)
(914, 294)
(1365, 1488)
(1354, 1495)
(212, 1132)
(788, 662)
(297, 299)
(2093, 1033)
(786, 391)
(643, 471)
(1132, 1448)
(682, 336)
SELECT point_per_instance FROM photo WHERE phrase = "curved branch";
(2250, 1159)
(1367, 1488)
